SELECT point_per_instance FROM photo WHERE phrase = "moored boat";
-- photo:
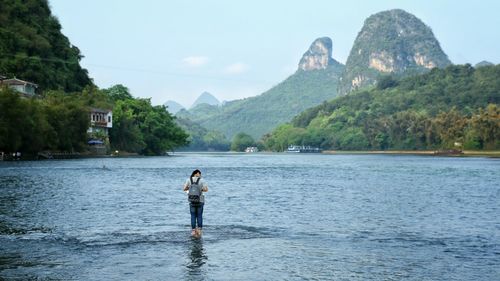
(303, 149)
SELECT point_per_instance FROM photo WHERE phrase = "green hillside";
(199, 112)
(201, 139)
(315, 81)
(278, 105)
(33, 48)
(391, 42)
(444, 108)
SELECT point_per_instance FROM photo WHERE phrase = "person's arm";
(204, 188)
(186, 186)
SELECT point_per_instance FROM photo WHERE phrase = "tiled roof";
(15, 81)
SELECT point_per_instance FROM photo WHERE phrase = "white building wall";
(109, 119)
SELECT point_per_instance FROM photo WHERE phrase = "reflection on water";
(196, 258)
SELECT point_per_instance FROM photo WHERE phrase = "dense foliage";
(141, 127)
(445, 108)
(59, 122)
(279, 104)
(241, 141)
(199, 112)
(33, 48)
(201, 139)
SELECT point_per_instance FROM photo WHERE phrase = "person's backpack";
(194, 193)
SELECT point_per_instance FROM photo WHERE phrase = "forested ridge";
(59, 122)
(279, 104)
(455, 107)
(446, 108)
(32, 48)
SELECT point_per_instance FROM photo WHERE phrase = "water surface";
(267, 217)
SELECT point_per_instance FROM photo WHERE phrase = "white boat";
(251, 149)
(303, 149)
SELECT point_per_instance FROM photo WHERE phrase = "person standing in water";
(195, 186)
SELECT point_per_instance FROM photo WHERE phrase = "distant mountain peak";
(395, 42)
(318, 56)
(173, 107)
(207, 98)
(483, 63)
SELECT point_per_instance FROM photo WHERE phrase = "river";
(267, 217)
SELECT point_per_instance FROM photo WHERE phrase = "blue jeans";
(196, 215)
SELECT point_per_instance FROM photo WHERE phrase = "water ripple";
(267, 216)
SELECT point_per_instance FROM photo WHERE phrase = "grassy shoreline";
(466, 153)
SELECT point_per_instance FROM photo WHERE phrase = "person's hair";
(195, 172)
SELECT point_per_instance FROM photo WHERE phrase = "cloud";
(236, 68)
(195, 61)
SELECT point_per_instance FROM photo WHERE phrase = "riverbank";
(49, 155)
(465, 153)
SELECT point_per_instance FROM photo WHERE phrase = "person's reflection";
(197, 258)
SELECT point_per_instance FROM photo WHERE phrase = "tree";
(450, 127)
(125, 134)
(283, 136)
(12, 120)
(485, 127)
(352, 139)
(34, 49)
(118, 92)
(142, 128)
(386, 81)
(215, 140)
(425, 111)
(69, 119)
(29, 125)
(241, 141)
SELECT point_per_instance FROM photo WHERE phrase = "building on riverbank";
(23, 87)
(101, 120)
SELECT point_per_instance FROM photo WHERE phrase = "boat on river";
(251, 149)
(303, 149)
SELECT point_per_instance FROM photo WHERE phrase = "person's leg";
(193, 211)
(199, 215)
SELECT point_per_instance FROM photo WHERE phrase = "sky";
(175, 50)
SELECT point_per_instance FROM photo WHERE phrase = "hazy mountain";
(483, 63)
(207, 98)
(315, 81)
(201, 139)
(391, 42)
(173, 107)
(199, 112)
